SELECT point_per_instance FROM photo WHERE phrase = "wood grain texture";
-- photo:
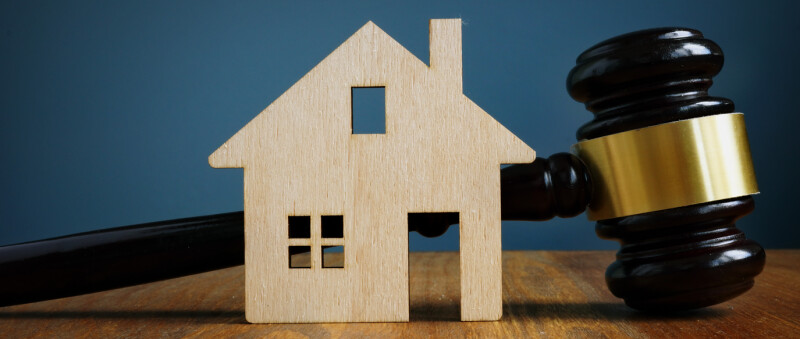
(545, 294)
(440, 153)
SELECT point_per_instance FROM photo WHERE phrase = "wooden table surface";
(546, 294)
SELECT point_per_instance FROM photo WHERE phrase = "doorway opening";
(434, 272)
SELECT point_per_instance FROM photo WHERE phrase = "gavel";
(664, 168)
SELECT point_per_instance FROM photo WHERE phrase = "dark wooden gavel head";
(675, 194)
(679, 258)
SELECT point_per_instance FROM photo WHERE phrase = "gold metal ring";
(670, 165)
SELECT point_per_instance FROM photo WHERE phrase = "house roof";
(372, 50)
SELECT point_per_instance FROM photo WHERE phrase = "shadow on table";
(602, 310)
(554, 310)
(434, 312)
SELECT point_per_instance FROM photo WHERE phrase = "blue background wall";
(110, 109)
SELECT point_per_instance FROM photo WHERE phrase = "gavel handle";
(118, 257)
(130, 255)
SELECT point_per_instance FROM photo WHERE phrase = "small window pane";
(299, 256)
(332, 226)
(332, 256)
(300, 227)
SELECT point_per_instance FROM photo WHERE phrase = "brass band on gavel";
(670, 165)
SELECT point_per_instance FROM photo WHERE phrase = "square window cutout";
(332, 256)
(299, 256)
(299, 227)
(332, 226)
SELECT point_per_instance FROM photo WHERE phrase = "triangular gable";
(232, 153)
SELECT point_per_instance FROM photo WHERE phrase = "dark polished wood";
(682, 258)
(646, 78)
(548, 187)
(546, 294)
(118, 257)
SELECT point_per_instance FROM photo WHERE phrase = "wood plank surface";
(545, 294)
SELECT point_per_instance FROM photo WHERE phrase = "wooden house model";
(311, 183)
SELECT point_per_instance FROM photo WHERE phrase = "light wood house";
(311, 183)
